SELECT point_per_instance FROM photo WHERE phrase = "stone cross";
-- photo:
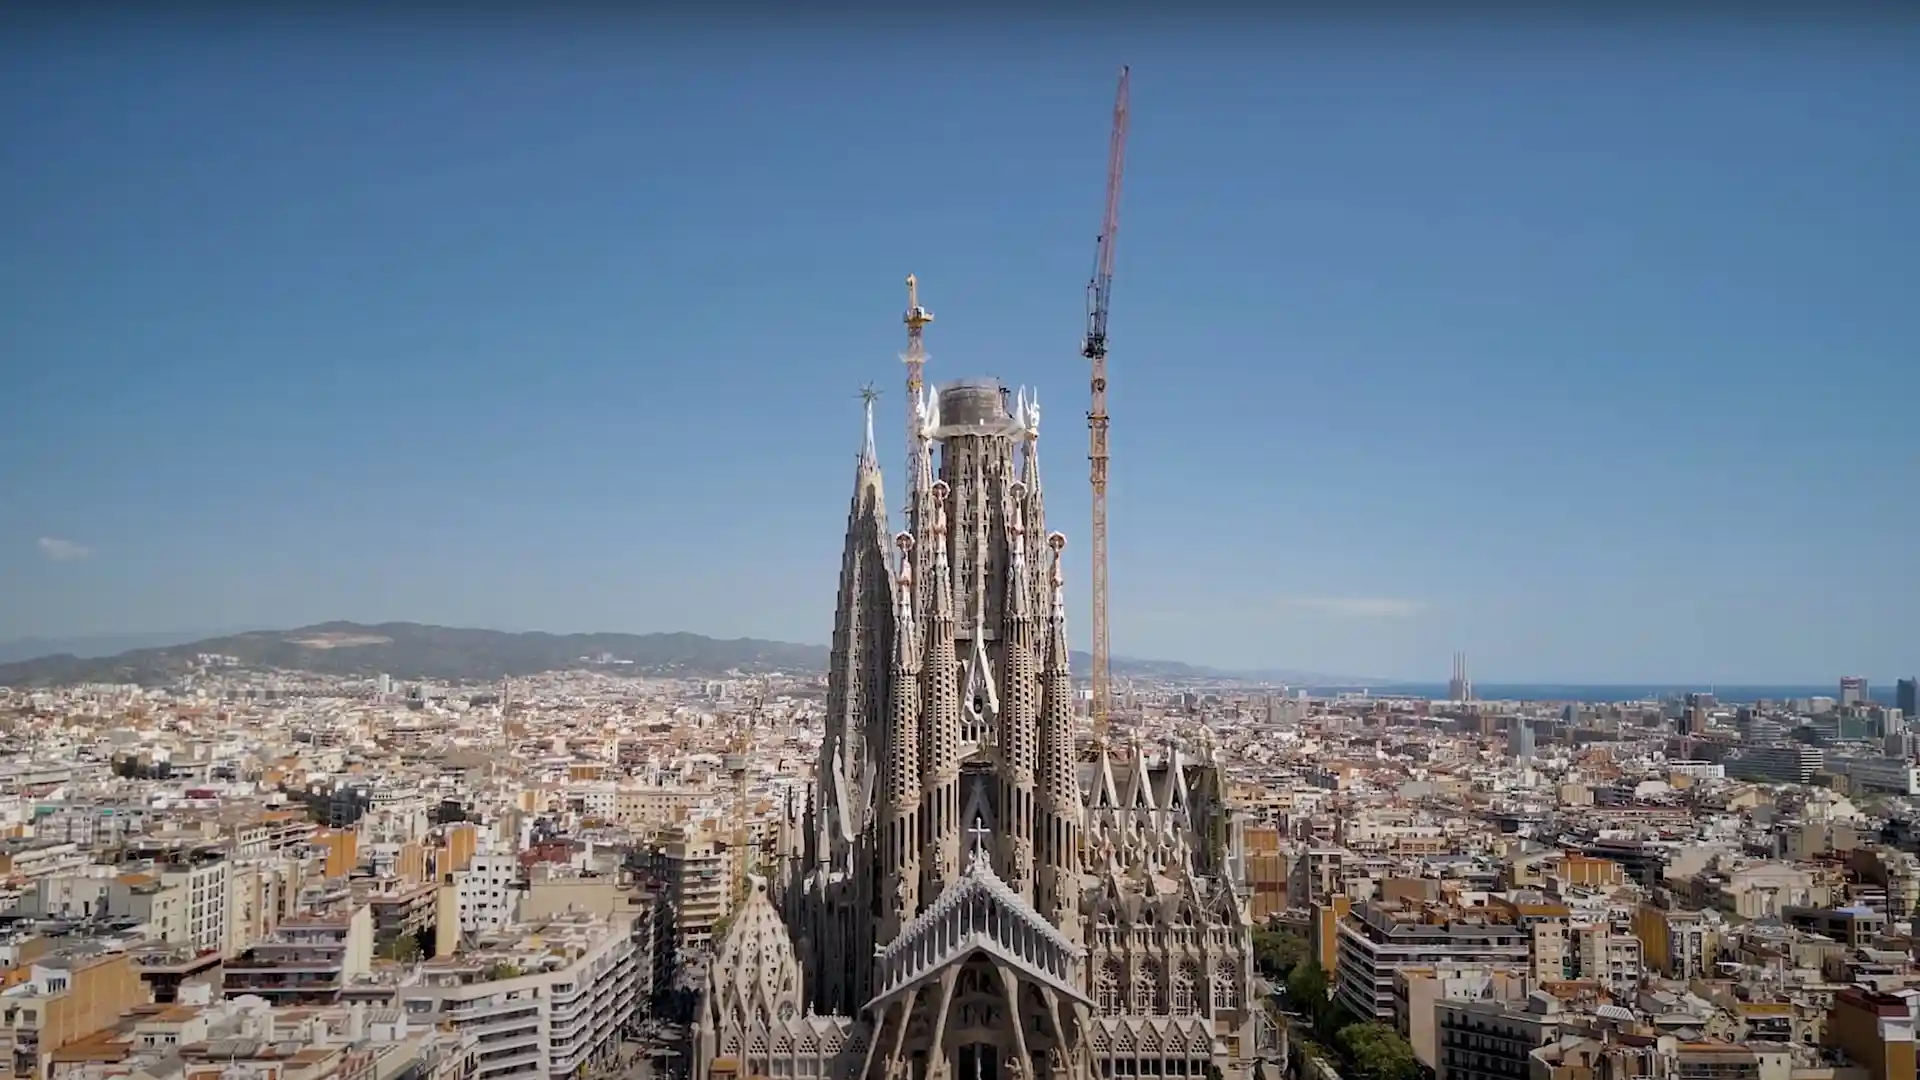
(979, 831)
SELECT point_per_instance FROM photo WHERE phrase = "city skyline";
(1426, 365)
(1133, 671)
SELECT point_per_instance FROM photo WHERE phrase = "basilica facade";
(969, 893)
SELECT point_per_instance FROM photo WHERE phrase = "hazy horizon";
(99, 645)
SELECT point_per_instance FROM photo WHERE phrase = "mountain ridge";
(91, 646)
(408, 650)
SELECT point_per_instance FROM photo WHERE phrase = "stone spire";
(940, 717)
(868, 395)
(1019, 709)
(980, 697)
(920, 499)
(899, 839)
(857, 669)
(1035, 506)
(755, 976)
(1059, 832)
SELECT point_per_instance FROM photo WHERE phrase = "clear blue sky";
(1588, 350)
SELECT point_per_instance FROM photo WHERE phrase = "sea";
(1597, 693)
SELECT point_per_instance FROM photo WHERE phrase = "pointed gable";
(1172, 792)
(979, 913)
(1138, 793)
(1102, 792)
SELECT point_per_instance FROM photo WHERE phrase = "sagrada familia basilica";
(969, 894)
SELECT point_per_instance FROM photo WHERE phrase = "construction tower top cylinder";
(974, 407)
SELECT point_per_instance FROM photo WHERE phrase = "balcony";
(527, 1021)
(265, 987)
(508, 1064)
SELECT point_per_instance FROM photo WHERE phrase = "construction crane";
(735, 764)
(915, 357)
(1099, 294)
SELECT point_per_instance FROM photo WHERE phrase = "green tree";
(1377, 1052)
(405, 949)
(1307, 989)
(1278, 952)
(1333, 1020)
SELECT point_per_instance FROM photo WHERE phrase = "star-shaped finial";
(869, 394)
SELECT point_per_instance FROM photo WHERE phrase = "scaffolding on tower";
(915, 358)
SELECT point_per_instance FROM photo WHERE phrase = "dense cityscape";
(326, 875)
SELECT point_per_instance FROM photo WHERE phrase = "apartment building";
(245, 1040)
(1264, 873)
(205, 883)
(1548, 923)
(1316, 875)
(1876, 1030)
(648, 806)
(1678, 944)
(1610, 959)
(481, 897)
(159, 905)
(1872, 772)
(540, 1000)
(553, 891)
(165, 968)
(31, 859)
(308, 960)
(399, 806)
(390, 858)
(1418, 991)
(1636, 1057)
(1855, 927)
(1786, 763)
(1491, 1040)
(89, 825)
(271, 831)
(1895, 871)
(66, 896)
(400, 909)
(65, 997)
(1393, 832)
(691, 874)
(1378, 937)
(264, 890)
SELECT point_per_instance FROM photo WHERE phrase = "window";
(1146, 987)
(1226, 991)
(1186, 981)
(1108, 994)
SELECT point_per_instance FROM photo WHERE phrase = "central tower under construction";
(966, 897)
